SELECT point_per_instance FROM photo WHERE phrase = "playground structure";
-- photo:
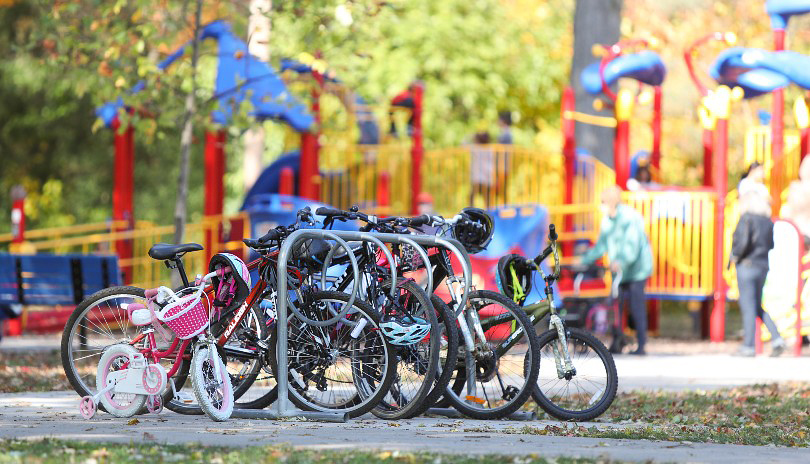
(689, 229)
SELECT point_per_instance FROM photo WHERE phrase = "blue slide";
(759, 71)
(645, 66)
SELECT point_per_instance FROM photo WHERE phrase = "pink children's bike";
(129, 378)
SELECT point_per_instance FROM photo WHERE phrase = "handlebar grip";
(552, 233)
(251, 243)
(419, 220)
(273, 234)
(326, 211)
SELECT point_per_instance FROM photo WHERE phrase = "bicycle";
(568, 355)
(424, 367)
(496, 378)
(100, 316)
(127, 378)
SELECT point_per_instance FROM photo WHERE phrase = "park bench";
(50, 286)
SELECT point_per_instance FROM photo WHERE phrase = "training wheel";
(154, 404)
(87, 407)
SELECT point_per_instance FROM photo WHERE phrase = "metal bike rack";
(282, 407)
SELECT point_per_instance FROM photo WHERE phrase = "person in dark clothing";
(752, 240)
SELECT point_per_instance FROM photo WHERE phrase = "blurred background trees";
(60, 60)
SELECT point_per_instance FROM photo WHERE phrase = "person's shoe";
(745, 352)
(778, 347)
(638, 352)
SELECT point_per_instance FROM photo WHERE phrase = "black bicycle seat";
(169, 251)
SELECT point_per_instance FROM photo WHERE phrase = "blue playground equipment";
(240, 76)
(645, 66)
(759, 71)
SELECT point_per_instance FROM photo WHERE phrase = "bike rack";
(283, 408)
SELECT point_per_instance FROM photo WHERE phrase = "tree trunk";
(595, 22)
(258, 39)
(186, 135)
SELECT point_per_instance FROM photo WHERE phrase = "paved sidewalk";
(55, 415)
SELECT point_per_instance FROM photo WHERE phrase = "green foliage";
(58, 62)
(476, 57)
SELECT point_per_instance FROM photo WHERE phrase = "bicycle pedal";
(184, 398)
(475, 399)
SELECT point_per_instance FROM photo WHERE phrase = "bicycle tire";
(523, 367)
(355, 404)
(216, 403)
(416, 364)
(601, 364)
(450, 336)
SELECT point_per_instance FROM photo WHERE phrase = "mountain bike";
(578, 379)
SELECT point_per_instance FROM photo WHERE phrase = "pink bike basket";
(186, 317)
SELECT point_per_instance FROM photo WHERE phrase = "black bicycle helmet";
(476, 232)
(514, 278)
(233, 288)
(311, 253)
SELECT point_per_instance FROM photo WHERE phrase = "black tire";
(447, 363)
(111, 325)
(370, 381)
(595, 370)
(506, 380)
(416, 364)
(252, 379)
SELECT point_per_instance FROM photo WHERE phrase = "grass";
(35, 371)
(773, 414)
(62, 452)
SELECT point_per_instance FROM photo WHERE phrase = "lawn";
(773, 414)
(61, 452)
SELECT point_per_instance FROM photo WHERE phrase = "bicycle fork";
(465, 319)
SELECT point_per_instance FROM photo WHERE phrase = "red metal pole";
(17, 214)
(308, 172)
(123, 185)
(708, 149)
(286, 181)
(568, 105)
(656, 128)
(384, 194)
(778, 116)
(717, 323)
(805, 142)
(214, 167)
(417, 147)
(621, 153)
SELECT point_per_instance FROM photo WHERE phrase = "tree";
(180, 211)
(595, 22)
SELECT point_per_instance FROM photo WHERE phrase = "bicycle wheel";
(505, 363)
(98, 322)
(245, 358)
(586, 394)
(116, 357)
(416, 363)
(347, 366)
(448, 354)
(211, 384)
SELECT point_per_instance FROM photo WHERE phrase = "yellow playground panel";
(358, 180)
(489, 176)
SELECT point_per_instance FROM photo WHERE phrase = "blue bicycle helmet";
(404, 331)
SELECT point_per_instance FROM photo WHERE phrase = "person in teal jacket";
(623, 239)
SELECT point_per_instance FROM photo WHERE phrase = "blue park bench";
(53, 280)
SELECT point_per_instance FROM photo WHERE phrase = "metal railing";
(680, 226)
(490, 176)
(144, 271)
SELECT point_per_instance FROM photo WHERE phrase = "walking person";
(751, 242)
(623, 238)
(482, 170)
